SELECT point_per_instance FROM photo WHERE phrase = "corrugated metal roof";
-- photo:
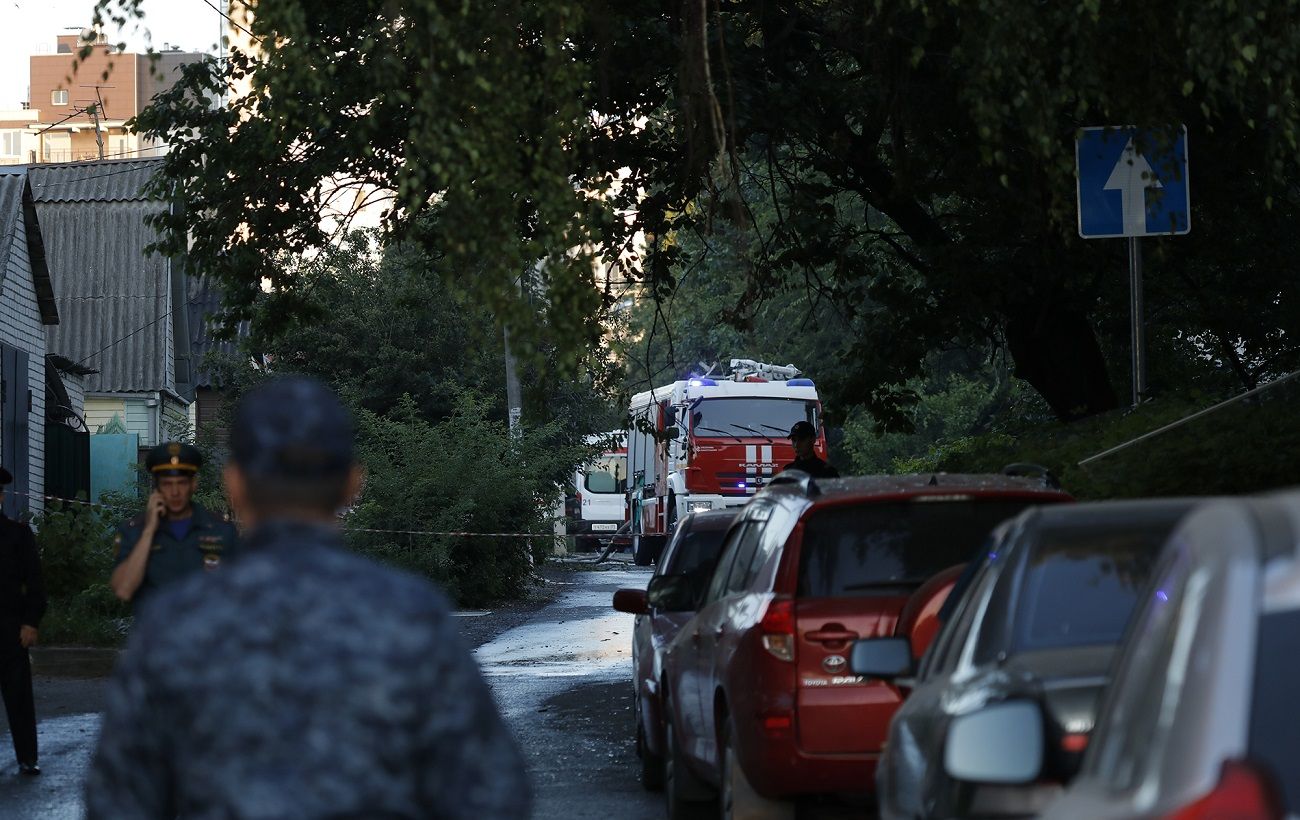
(16, 206)
(11, 211)
(114, 300)
(120, 180)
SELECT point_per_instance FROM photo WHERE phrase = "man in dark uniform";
(804, 438)
(175, 536)
(22, 603)
(303, 681)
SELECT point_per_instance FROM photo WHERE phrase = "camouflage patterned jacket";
(302, 682)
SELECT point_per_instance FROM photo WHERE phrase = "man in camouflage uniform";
(175, 536)
(303, 681)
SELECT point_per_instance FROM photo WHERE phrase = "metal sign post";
(1131, 184)
(1139, 336)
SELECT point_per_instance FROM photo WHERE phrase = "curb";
(72, 661)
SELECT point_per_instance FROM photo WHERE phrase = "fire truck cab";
(711, 442)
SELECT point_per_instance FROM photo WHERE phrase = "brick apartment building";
(58, 121)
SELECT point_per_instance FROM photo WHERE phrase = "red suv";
(762, 705)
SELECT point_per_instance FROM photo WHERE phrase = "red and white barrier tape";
(346, 528)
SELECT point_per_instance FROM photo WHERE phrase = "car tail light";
(1242, 793)
(1075, 742)
(778, 724)
(777, 627)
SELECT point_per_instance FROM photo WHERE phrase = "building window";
(11, 143)
(59, 96)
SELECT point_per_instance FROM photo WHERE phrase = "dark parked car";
(762, 705)
(1039, 623)
(1201, 722)
(690, 555)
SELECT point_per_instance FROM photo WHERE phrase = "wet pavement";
(563, 681)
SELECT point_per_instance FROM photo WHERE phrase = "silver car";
(1201, 720)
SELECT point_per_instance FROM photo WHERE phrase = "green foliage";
(948, 408)
(92, 617)
(76, 546)
(1250, 446)
(380, 326)
(460, 119)
(422, 369)
(461, 474)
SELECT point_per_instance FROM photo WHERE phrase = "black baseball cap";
(292, 427)
(802, 429)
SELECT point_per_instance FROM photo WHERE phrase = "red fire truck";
(710, 442)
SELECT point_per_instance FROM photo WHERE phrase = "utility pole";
(514, 402)
(94, 109)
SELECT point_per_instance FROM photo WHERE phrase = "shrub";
(466, 473)
(76, 546)
(77, 551)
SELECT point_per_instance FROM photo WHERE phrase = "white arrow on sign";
(1132, 176)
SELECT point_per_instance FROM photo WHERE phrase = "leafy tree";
(380, 326)
(913, 162)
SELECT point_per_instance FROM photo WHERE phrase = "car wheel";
(738, 800)
(688, 797)
(652, 765)
(645, 554)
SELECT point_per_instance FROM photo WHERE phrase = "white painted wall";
(101, 409)
(169, 417)
(20, 326)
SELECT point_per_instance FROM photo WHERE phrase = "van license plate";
(604, 527)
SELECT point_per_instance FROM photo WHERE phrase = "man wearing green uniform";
(175, 536)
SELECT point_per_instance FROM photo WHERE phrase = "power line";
(88, 177)
(60, 122)
(214, 7)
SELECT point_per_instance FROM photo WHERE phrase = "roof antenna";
(934, 480)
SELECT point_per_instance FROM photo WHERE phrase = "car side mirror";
(671, 593)
(884, 658)
(999, 744)
(631, 601)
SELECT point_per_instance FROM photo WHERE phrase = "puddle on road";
(66, 745)
(577, 635)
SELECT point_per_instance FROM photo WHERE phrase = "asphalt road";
(559, 663)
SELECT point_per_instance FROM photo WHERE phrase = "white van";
(597, 507)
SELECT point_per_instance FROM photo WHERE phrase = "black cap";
(802, 429)
(174, 458)
(292, 427)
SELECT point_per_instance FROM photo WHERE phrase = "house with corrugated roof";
(27, 309)
(124, 310)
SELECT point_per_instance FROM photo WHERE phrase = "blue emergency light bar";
(703, 382)
(801, 383)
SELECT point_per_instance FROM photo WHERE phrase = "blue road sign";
(1132, 182)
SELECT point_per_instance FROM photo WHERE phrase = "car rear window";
(697, 550)
(1274, 720)
(1080, 586)
(877, 548)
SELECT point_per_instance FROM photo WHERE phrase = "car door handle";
(831, 636)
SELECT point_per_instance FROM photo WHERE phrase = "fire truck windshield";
(750, 417)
